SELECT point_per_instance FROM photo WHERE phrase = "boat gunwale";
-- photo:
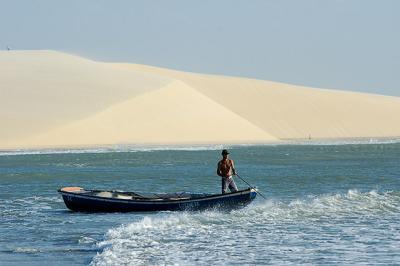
(156, 201)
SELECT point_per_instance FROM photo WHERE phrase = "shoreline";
(192, 146)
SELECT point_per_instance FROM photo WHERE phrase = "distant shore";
(56, 100)
(191, 147)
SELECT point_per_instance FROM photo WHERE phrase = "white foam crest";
(27, 250)
(86, 240)
(162, 240)
(217, 237)
(329, 206)
(112, 149)
(152, 237)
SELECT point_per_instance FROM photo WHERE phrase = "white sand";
(51, 99)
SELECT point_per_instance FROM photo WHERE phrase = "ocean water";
(327, 204)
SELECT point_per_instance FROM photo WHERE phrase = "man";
(226, 169)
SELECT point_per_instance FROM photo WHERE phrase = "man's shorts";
(227, 182)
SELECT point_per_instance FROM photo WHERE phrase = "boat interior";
(115, 194)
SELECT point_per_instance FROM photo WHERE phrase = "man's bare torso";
(225, 167)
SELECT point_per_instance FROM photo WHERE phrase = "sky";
(335, 44)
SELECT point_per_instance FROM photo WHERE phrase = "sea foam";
(327, 224)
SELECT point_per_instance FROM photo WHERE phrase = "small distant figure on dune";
(8, 48)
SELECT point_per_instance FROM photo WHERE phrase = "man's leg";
(223, 180)
(232, 185)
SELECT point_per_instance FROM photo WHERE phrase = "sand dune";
(52, 99)
(41, 90)
(175, 113)
(296, 112)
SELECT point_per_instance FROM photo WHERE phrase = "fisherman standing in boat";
(226, 169)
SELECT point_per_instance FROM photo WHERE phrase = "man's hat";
(224, 152)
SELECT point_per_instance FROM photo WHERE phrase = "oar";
(258, 192)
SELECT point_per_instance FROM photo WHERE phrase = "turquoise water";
(326, 204)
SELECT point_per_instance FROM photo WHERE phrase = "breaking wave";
(332, 229)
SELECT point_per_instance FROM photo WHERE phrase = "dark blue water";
(327, 204)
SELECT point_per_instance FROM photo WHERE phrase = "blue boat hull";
(90, 203)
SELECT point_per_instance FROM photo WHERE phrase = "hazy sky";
(342, 44)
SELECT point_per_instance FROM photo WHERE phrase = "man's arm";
(218, 169)
(233, 168)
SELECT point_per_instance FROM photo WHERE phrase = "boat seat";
(124, 197)
(105, 194)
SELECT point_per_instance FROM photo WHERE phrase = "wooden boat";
(79, 199)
